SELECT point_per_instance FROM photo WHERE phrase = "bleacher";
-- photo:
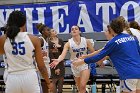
(106, 76)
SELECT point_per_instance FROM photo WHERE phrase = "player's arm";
(64, 52)
(39, 58)
(42, 42)
(61, 57)
(103, 53)
(2, 40)
(93, 52)
(90, 46)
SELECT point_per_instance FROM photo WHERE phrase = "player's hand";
(78, 62)
(54, 63)
(83, 56)
(100, 62)
(44, 53)
(57, 71)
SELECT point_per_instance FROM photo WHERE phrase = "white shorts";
(23, 82)
(129, 85)
(76, 70)
(48, 70)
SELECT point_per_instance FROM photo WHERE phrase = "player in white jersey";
(135, 29)
(45, 50)
(76, 51)
(78, 46)
(19, 48)
(5, 71)
(3, 29)
(45, 31)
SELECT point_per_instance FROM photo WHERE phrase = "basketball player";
(18, 46)
(135, 29)
(77, 46)
(45, 32)
(124, 51)
(3, 29)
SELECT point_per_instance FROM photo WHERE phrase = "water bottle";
(93, 88)
(2, 64)
(68, 62)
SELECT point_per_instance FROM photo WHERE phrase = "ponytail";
(40, 27)
(16, 20)
(12, 32)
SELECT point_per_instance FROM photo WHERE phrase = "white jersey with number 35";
(19, 53)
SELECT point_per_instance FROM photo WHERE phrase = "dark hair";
(77, 26)
(134, 25)
(108, 26)
(16, 20)
(4, 28)
(117, 26)
(41, 27)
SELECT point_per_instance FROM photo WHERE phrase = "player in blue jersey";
(124, 51)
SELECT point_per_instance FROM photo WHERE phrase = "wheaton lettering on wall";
(89, 15)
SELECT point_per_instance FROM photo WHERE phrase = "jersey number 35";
(18, 48)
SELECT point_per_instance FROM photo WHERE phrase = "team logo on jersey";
(79, 49)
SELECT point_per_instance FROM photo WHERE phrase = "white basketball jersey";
(45, 47)
(136, 33)
(77, 50)
(19, 53)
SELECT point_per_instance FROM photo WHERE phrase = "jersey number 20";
(18, 48)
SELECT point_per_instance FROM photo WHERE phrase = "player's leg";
(30, 82)
(84, 77)
(60, 84)
(77, 81)
(12, 84)
(138, 91)
(128, 86)
(54, 81)
(76, 74)
(138, 86)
